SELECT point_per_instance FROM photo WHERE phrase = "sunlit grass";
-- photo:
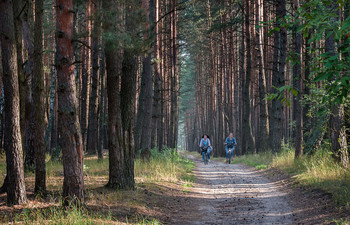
(259, 161)
(318, 171)
(74, 215)
(164, 167)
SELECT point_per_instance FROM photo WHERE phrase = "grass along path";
(318, 171)
(165, 176)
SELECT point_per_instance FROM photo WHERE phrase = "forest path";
(233, 194)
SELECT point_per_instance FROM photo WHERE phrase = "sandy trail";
(233, 194)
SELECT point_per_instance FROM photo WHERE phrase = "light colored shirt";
(229, 141)
(204, 143)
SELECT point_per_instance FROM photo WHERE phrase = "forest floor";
(173, 191)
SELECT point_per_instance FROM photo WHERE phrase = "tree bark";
(113, 106)
(1, 111)
(69, 129)
(248, 142)
(28, 70)
(111, 54)
(38, 99)
(17, 10)
(280, 48)
(16, 192)
(263, 136)
(121, 108)
(92, 132)
(51, 130)
(147, 120)
(298, 84)
(157, 80)
(101, 120)
(84, 86)
(146, 88)
(127, 107)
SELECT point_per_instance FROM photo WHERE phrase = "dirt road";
(233, 194)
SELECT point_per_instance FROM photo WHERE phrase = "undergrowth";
(318, 171)
(165, 166)
(74, 215)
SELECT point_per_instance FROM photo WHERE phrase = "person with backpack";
(205, 144)
(230, 143)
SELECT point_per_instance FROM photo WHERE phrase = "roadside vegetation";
(103, 205)
(318, 170)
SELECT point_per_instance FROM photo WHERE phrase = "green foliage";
(329, 81)
(280, 94)
(330, 68)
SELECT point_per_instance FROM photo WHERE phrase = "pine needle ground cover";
(165, 175)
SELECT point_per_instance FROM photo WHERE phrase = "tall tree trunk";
(157, 79)
(264, 131)
(175, 105)
(248, 142)
(92, 132)
(113, 104)
(17, 10)
(38, 98)
(171, 79)
(121, 109)
(147, 120)
(51, 130)
(127, 108)
(85, 80)
(298, 84)
(147, 86)
(141, 106)
(145, 139)
(160, 125)
(54, 131)
(1, 111)
(28, 70)
(69, 129)
(101, 120)
(16, 192)
(105, 113)
(122, 149)
(280, 48)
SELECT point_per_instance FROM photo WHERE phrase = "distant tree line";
(272, 72)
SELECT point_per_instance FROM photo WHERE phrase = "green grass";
(163, 168)
(59, 215)
(259, 161)
(74, 216)
(318, 171)
(341, 222)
